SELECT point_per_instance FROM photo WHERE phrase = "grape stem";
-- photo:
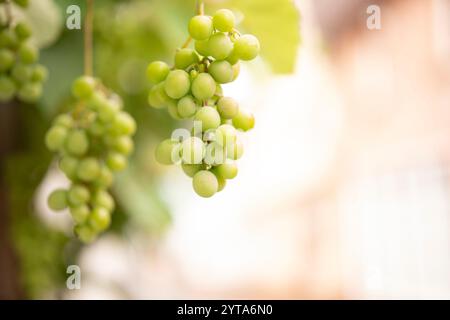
(88, 39)
(187, 43)
(200, 7)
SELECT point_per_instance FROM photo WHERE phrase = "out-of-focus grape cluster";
(92, 141)
(192, 89)
(21, 76)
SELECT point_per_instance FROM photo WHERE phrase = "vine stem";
(8, 13)
(187, 43)
(88, 39)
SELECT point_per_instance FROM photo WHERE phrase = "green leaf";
(276, 24)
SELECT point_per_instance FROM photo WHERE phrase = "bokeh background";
(343, 191)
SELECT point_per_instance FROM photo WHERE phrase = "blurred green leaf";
(276, 24)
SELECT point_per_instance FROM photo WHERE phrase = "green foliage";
(276, 24)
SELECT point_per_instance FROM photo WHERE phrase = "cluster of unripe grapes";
(192, 90)
(21, 76)
(93, 141)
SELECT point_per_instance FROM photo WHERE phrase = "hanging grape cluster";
(92, 142)
(192, 90)
(21, 76)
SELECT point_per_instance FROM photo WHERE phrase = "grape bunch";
(192, 89)
(92, 141)
(21, 76)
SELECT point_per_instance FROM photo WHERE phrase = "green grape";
(64, 120)
(123, 124)
(185, 57)
(228, 108)
(85, 233)
(105, 178)
(226, 134)
(78, 195)
(30, 92)
(7, 39)
(22, 73)
(215, 154)
(80, 214)
(28, 54)
(83, 87)
(233, 58)
(209, 118)
(244, 120)
(77, 142)
(157, 72)
(88, 169)
(227, 170)
(203, 87)
(57, 201)
(104, 200)
(168, 152)
(97, 128)
(116, 161)
(220, 46)
(7, 89)
(69, 166)
(222, 183)
(205, 184)
(56, 137)
(177, 84)
(39, 74)
(200, 27)
(157, 97)
(221, 71)
(235, 150)
(187, 107)
(100, 219)
(191, 169)
(224, 20)
(202, 47)
(107, 111)
(124, 145)
(172, 108)
(7, 59)
(247, 47)
(192, 150)
(22, 31)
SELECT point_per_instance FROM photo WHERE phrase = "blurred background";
(343, 191)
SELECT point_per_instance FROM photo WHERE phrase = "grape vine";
(192, 89)
(92, 142)
(21, 76)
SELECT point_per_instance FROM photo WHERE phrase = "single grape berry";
(220, 46)
(209, 118)
(57, 200)
(247, 47)
(224, 20)
(228, 107)
(177, 84)
(83, 87)
(185, 58)
(191, 169)
(200, 27)
(205, 184)
(221, 71)
(168, 152)
(227, 170)
(55, 138)
(203, 87)
(244, 120)
(157, 72)
(192, 150)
